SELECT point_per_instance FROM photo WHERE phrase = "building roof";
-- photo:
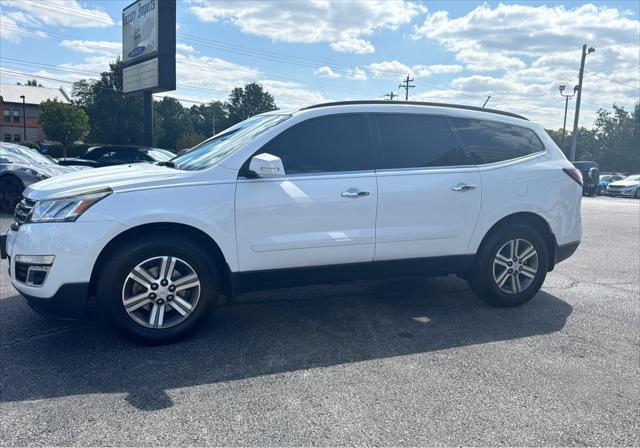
(11, 93)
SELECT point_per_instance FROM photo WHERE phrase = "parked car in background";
(606, 179)
(329, 193)
(590, 176)
(628, 187)
(109, 155)
(20, 167)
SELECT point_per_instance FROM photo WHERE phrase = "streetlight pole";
(24, 120)
(566, 105)
(574, 136)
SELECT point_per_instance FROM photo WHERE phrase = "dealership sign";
(149, 46)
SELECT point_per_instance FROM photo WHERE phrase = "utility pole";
(566, 106)
(486, 101)
(390, 95)
(24, 119)
(574, 136)
(406, 86)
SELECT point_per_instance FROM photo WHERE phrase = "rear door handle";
(353, 193)
(463, 187)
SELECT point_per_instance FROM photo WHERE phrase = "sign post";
(149, 53)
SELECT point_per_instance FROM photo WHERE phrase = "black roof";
(417, 103)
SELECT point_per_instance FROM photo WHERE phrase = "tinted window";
(128, 156)
(489, 142)
(414, 141)
(321, 145)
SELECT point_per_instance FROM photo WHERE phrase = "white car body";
(300, 221)
(627, 187)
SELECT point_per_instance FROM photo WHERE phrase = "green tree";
(64, 123)
(617, 134)
(202, 114)
(247, 101)
(173, 119)
(189, 140)
(31, 82)
(113, 117)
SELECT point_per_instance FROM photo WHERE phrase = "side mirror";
(267, 165)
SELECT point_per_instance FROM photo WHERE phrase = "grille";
(22, 211)
(616, 187)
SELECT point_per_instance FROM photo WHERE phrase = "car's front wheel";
(511, 266)
(158, 290)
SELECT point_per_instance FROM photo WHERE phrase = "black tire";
(482, 279)
(114, 274)
(11, 189)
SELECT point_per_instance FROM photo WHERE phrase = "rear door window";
(415, 141)
(490, 142)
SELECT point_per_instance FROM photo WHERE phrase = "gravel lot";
(410, 362)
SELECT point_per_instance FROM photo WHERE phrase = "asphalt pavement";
(403, 362)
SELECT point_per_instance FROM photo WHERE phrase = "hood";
(120, 177)
(44, 169)
(624, 183)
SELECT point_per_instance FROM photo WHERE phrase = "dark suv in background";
(109, 155)
(590, 176)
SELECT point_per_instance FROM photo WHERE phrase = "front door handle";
(463, 187)
(353, 193)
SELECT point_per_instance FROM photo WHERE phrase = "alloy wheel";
(515, 266)
(161, 292)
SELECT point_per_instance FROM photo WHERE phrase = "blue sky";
(306, 52)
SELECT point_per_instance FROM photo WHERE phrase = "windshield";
(213, 150)
(160, 155)
(10, 153)
(633, 178)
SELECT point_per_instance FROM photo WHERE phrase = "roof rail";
(416, 103)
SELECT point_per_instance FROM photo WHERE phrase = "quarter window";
(321, 145)
(490, 142)
(415, 141)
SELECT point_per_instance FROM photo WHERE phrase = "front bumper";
(69, 302)
(625, 193)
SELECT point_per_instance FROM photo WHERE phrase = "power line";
(612, 80)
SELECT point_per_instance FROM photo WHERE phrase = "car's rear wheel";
(11, 189)
(511, 266)
(158, 290)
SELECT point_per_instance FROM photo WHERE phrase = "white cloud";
(390, 70)
(64, 13)
(341, 23)
(9, 29)
(185, 48)
(100, 47)
(520, 53)
(443, 68)
(358, 46)
(357, 74)
(326, 72)
(292, 95)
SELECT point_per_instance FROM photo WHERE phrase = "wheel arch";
(534, 220)
(183, 230)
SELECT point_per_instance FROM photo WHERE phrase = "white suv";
(324, 194)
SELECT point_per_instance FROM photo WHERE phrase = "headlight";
(65, 209)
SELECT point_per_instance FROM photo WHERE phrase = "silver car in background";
(628, 187)
(20, 167)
